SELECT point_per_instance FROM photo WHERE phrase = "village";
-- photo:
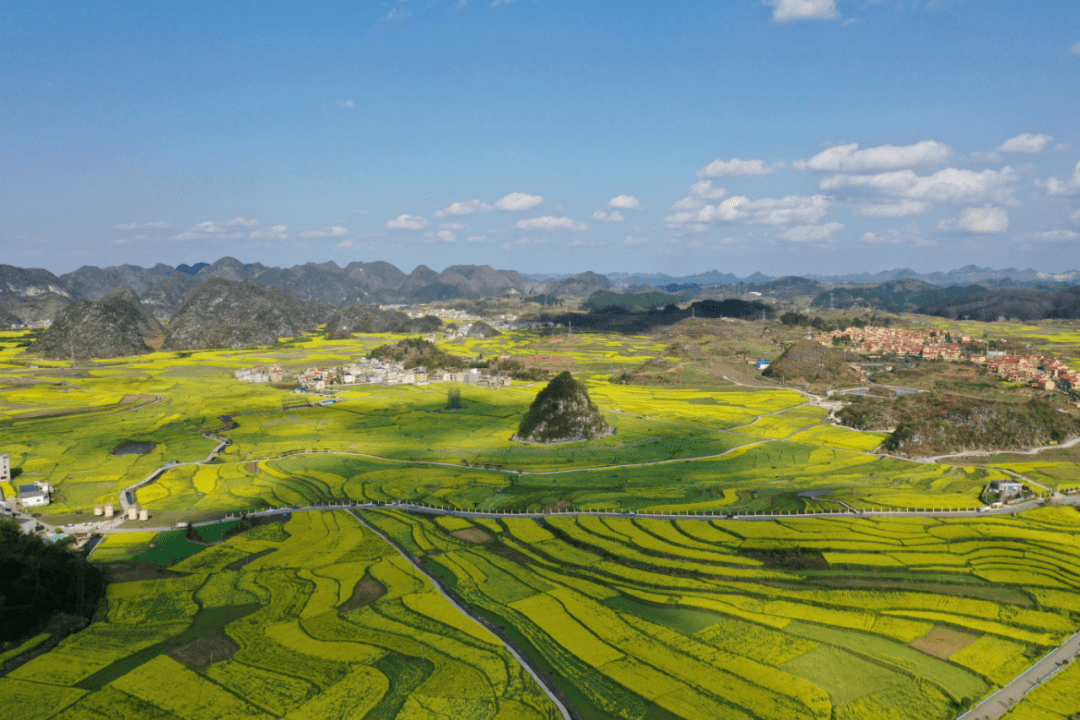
(1045, 373)
(367, 371)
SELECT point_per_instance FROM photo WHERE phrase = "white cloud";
(1075, 217)
(1054, 186)
(547, 222)
(213, 226)
(1026, 143)
(407, 222)
(452, 226)
(811, 233)
(848, 158)
(477, 238)
(1055, 236)
(688, 203)
(891, 237)
(700, 191)
(631, 240)
(345, 103)
(948, 185)
(142, 226)
(467, 207)
(227, 230)
(900, 209)
(793, 10)
(977, 220)
(519, 201)
(763, 211)
(613, 216)
(734, 168)
(704, 189)
(624, 202)
(334, 231)
(446, 236)
(278, 232)
(525, 242)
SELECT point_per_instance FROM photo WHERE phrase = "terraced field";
(326, 622)
(845, 618)
(629, 618)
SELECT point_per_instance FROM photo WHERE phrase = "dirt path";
(987, 453)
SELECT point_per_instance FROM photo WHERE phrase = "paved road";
(1004, 699)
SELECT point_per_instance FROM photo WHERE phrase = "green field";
(779, 619)
(635, 618)
(292, 636)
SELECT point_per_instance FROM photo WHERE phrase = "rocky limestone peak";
(117, 325)
(562, 412)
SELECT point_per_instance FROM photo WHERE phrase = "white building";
(5, 468)
(34, 495)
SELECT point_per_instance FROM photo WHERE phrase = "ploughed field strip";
(807, 618)
(288, 636)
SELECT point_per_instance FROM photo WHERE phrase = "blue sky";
(790, 137)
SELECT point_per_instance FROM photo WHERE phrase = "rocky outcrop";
(223, 313)
(481, 330)
(562, 412)
(360, 318)
(117, 325)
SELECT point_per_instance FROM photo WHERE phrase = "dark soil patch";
(206, 622)
(473, 536)
(252, 467)
(367, 591)
(133, 447)
(941, 642)
(250, 558)
(557, 506)
(210, 649)
(511, 554)
(788, 559)
(135, 571)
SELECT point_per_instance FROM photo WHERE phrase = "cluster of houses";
(262, 374)
(930, 344)
(1042, 372)
(367, 371)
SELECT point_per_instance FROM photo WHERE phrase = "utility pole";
(831, 301)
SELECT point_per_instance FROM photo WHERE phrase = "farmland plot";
(762, 619)
(289, 643)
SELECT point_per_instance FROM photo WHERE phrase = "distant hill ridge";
(117, 325)
(35, 295)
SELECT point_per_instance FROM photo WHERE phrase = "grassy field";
(784, 619)
(734, 448)
(632, 618)
(298, 632)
